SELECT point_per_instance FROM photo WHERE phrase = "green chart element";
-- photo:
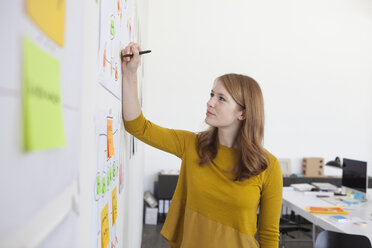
(103, 185)
(99, 188)
(112, 29)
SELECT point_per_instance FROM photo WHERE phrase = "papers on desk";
(307, 190)
(319, 193)
(325, 186)
(327, 210)
(302, 186)
(287, 189)
(343, 219)
(340, 219)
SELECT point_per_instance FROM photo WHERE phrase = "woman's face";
(222, 110)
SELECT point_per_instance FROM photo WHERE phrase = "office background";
(313, 61)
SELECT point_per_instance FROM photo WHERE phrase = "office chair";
(329, 239)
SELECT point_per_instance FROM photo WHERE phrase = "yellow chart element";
(49, 16)
(114, 206)
(105, 232)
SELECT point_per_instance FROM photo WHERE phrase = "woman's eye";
(211, 94)
(221, 98)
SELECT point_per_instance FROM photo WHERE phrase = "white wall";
(313, 60)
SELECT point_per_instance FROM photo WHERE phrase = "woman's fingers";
(127, 52)
(131, 48)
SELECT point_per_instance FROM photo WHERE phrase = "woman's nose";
(210, 103)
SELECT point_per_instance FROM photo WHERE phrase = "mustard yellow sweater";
(208, 209)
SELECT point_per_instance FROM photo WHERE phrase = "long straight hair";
(253, 158)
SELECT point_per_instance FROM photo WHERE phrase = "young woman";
(226, 175)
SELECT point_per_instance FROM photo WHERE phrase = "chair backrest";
(329, 239)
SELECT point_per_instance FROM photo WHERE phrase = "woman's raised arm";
(129, 65)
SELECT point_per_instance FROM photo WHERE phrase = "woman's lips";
(209, 113)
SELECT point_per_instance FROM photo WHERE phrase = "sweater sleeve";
(168, 140)
(270, 206)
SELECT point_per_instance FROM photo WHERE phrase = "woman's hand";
(129, 65)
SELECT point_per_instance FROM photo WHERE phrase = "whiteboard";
(29, 180)
(36, 185)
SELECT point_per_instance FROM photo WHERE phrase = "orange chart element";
(104, 58)
(110, 140)
(49, 16)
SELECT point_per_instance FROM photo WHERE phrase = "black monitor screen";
(354, 175)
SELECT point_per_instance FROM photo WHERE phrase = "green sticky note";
(108, 178)
(112, 30)
(42, 106)
(103, 185)
(98, 185)
(114, 171)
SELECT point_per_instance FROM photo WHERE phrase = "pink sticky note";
(121, 174)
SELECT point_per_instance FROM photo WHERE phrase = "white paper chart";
(116, 31)
(106, 181)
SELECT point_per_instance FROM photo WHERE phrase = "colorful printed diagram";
(106, 181)
(115, 34)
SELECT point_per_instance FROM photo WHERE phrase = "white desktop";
(354, 182)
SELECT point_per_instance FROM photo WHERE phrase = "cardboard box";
(151, 216)
(313, 167)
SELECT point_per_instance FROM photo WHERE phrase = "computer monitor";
(354, 175)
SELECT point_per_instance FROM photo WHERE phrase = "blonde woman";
(226, 175)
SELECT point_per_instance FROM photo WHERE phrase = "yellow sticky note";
(49, 16)
(42, 107)
(114, 206)
(105, 232)
(110, 140)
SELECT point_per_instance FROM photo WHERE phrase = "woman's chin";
(208, 122)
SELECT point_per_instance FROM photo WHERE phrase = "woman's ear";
(242, 115)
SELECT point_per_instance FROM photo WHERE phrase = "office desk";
(298, 201)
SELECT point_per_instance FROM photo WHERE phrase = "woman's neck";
(228, 137)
